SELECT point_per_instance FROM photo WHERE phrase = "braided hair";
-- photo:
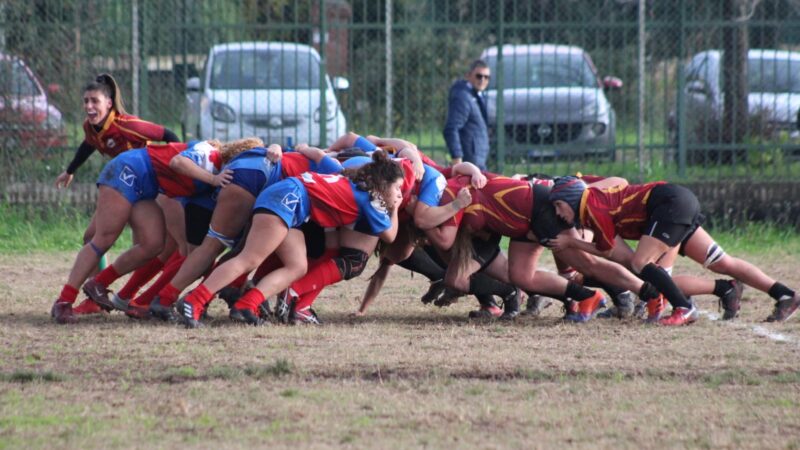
(106, 84)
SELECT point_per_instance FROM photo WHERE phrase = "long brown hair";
(377, 176)
(106, 84)
(461, 251)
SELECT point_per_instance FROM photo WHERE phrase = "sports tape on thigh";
(226, 241)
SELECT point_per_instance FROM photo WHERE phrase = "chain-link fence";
(709, 88)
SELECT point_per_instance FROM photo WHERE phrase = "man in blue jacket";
(466, 132)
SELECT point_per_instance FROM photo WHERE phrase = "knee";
(638, 263)
(351, 262)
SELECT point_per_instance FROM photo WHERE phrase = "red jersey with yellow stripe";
(121, 132)
(616, 211)
(503, 206)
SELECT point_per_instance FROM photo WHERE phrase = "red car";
(27, 118)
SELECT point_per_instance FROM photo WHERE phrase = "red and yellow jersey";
(173, 184)
(615, 211)
(121, 132)
(503, 206)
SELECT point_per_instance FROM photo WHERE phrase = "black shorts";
(484, 251)
(545, 224)
(315, 239)
(673, 214)
(198, 219)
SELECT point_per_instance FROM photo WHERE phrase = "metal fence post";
(135, 62)
(680, 120)
(389, 81)
(499, 123)
(323, 74)
(641, 88)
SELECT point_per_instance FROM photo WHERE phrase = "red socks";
(107, 276)
(140, 277)
(170, 269)
(168, 295)
(250, 300)
(324, 274)
(68, 294)
(200, 296)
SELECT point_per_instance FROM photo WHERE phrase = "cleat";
(680, 316)
(655, 308)
(536, 304)
(306, 316)
(586, 309)
(449, 297)
(435, 292)
(88, 306)
(784, 309)
(486, 312)
(138, 312)
(98, 293)
(230, 294)
(640, 310)
(61, 312)
(162, 312)
(569, 308)
(189, 313)
(246, 316)
(285, 305)
(511, 305)
(731, 300)
(264, 311)
(623, 307)
(120, 303)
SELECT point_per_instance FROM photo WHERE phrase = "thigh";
(292, 251)
(357, 240)
(147, 220)
(112, 213)
(649, 251)
(233, 210)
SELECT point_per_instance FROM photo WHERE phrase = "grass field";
(405, 376)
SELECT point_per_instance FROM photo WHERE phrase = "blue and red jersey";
(121, 132)
(173, 184)
(336, 201)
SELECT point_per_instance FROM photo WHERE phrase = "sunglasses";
(481, 76)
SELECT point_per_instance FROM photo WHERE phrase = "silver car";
(554, 104)
(267, 89)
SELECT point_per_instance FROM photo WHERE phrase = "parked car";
(27, 118)
(773, 101)
(267, 89)
(553, 102)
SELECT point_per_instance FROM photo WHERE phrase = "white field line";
(757, 329)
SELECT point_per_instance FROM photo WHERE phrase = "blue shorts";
(251, 180)
(132, 175)
(287, 199)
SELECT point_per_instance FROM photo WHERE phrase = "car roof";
(263, 46)
(760, 53)
(523, 49)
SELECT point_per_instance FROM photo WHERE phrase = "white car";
(267, 89)
(553, 102)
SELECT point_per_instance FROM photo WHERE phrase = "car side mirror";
(341, 83)
(53, 88)
(193, 84)
(612, 83)
(697, 87)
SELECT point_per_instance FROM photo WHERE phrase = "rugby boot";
(655, 308)
(731, 300)
(88, 306)
(784, 309)
(680, 316)
(61, 312)
(586, 309)
(98, 293)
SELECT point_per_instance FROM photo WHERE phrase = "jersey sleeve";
(364, 144)
(374, 217)
(432, 185)
(205, 156)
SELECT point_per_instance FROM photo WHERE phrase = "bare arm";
(442, 237)
(564, 241)
(313, 153)
(427, 217)
(185, 166)
(376, 282)
(610, 182)
(390, 233)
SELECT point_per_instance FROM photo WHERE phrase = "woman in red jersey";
(665, 219)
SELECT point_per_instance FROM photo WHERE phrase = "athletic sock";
(168, 295)
(170, 269)
(324, 274)
(721, 287)
(68, 294)
(779, 291)
(270, 264)
(239, 281)
(140, 277)
(250, 300)
(107, 276)
(486, 300)
(482, 284)
(200, 296)
(419, 261)
(612, 291)
(306, 300)
(663, 282)
(648, 292)
(577, 292)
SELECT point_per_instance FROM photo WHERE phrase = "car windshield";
(264, 69)
(15, 81)
(540, 70)
(773, 75)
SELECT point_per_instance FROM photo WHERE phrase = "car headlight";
(331, 113)
(598, 128)
(222, 112)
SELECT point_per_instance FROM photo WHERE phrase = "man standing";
(466, 132)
